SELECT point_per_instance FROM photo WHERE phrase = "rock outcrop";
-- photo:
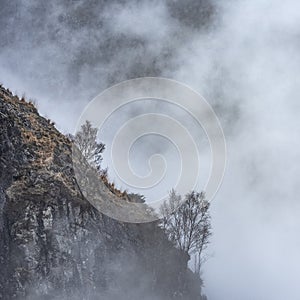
(54, 244)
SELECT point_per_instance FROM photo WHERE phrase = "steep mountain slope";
(54, 244)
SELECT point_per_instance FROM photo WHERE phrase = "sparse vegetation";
(187, 224)
(86, 141)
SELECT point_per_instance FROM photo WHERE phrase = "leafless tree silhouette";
(187, 224)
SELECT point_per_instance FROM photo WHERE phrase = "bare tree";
(187, 224)
(86, 141)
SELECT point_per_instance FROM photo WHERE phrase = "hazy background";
(243, 56)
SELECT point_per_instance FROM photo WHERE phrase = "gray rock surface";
(54, 244)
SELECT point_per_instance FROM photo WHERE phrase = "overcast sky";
(242, 56)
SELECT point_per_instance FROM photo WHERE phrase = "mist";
(242, 56)
(251, 63)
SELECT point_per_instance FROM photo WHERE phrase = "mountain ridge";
(54, 244)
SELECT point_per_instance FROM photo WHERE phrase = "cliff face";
(54, 244)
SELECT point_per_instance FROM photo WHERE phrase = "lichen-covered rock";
(54, 244)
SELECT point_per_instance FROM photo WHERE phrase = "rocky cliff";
(54, 244)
